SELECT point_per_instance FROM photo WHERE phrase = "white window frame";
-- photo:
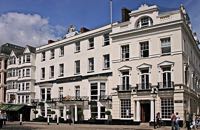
(167, 108)
(91, 64)
(60, 92)
(52, 53)
(62, 52)
(77, 47)
(28, 72)
(43, 73)
(146, 75)
(43, 56)
(106, 39)
(77, 67)
(167, 72)
(61, 70)
(144, 46)
(91, 43)
(125, 108)
(28, 58)
(106, 61)
(125, 52)
(51, 72)
(165, 43)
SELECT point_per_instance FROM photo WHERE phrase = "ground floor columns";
(75, 113)
(64, 113)
(137, 110)
(152, 111)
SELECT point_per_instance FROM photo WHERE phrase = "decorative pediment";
(124, 68)
(144, 65)
(12, 54)
(166, 63)
(26, 50)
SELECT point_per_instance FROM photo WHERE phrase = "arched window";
(144, 22)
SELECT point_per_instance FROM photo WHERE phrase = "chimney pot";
(50, 41)
(125, 14)
(84, 29)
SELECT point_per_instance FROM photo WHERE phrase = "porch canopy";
(11, 107)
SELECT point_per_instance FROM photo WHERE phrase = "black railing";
(144, 86)
(125, 87)
(166, 85)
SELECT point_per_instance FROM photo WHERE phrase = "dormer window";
(144, 22)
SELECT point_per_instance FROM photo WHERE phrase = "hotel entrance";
(145, 111)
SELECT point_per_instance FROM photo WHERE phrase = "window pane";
(125, 108)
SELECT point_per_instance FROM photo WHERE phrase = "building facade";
(70, 73)
(148, 63)
(21, 78)
(154, 50)
(5, 51)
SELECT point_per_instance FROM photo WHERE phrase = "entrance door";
(145, 112)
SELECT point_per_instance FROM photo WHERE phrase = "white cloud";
(31, 29)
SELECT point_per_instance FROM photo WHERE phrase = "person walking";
(173, 121)
(158, 120)
(177, 122)
(187, 120)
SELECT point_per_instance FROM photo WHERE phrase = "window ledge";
(106, 68)
(166, 54)
(90, 48)
(77, 51)
(105, 45)
(77, 73)
(61, 75)
(61, 55)
(51, 77)
(90, 71)
(123, 60)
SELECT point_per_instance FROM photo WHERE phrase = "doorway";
(145, 111)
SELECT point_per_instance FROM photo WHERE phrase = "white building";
(5, 51)
(21, 78)
(115, 68)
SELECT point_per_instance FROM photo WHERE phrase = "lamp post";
(154, 93)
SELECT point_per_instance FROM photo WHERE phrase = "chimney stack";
(50, 41)
(84, 29)
(125, 14)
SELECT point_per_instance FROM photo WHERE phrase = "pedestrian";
(158, 120)
(193, 121)
(177, 122)
(173, 120)
(1, 120)
(188, 121)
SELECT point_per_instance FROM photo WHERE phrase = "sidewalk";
(54, 126)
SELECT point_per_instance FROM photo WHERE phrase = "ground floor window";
(102, 115)
(94, 111)
(42, 111)
(125, 108)
(61, 111)
(167, 107)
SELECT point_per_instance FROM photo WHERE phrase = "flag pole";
(111, 20)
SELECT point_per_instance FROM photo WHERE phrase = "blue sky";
(54, 16)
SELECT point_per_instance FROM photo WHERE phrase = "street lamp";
(154, 93)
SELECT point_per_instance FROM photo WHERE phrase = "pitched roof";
(8, 47)
(31, 49)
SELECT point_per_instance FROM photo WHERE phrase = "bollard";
(48, 120)
(20, 119)
(57, 120)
